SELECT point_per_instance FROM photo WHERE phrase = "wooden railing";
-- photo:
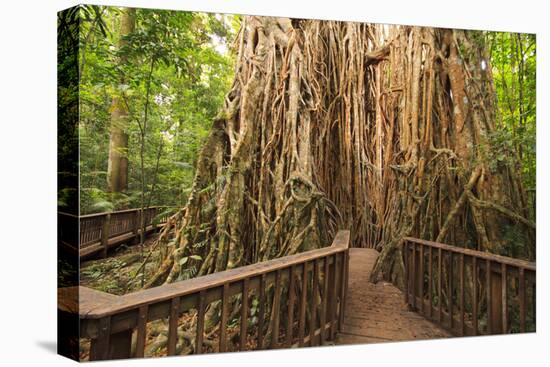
(469, 292)
(98, 232)
(296, 300)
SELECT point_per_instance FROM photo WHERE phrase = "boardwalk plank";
(377, 312)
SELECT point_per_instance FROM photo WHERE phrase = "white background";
(28, 181)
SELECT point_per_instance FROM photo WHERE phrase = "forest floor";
(121, 272)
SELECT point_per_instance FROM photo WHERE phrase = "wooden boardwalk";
(378, 312)
(374, 312)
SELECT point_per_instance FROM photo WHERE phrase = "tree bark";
(328, 125)
(117, 167)
(383, 130)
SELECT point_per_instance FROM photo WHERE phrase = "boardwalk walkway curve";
(439, 300)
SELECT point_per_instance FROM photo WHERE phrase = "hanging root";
(334, 125)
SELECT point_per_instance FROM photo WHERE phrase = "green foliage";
(183, 60)
(68, 30)
(513, 61)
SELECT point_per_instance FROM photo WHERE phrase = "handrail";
(528, 265)
(318, 276)
(469, 292)
(118, 212)
(100, 214)
(93, 233)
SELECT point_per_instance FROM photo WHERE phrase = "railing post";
(496, 302)
(324, 302)
(243, 332)
(332, 298)
(343, 281)
(346, 283)
(303, 303)
(261, 312)
(504, 283)
(314, 296)
(141, 331)
(136, 227)
(461, 295)
(406, 270)
(474, 296)
(430, 281)
(156, 212)
(291, 301)
(276, 309)
(224, 318)
(121, 345)
(110, 346)
(201, 309)
(440, 285)
(420, 278)
(522, 303)
(413, 277)
(534, 302)
(105, 234)
(451, 291)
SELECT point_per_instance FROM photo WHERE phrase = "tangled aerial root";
(381, 129)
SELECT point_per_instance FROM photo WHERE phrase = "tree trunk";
(452, 186)
(381, 129)
(117, 168)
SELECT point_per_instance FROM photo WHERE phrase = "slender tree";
(117, 168)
